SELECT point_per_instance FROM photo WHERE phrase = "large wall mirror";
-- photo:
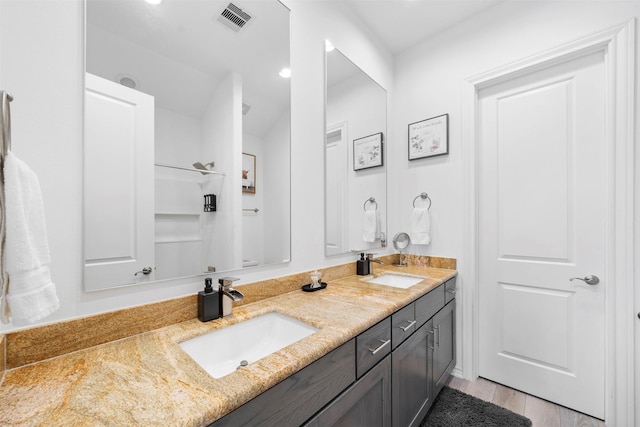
(355, 169)
(178, 96)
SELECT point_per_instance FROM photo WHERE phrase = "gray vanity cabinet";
(365, 403)
(411, 377)
(388, 375)
(444, 345)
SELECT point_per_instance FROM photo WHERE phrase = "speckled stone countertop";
(147, 378)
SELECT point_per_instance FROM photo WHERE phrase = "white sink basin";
(221, 352)
(396, 280)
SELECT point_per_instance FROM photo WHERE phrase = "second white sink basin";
(223, 351)
(396, 280)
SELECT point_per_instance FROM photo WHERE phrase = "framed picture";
(367, 152)
(429, 138)
(248, 173)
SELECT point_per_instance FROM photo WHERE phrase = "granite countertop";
(147, 377)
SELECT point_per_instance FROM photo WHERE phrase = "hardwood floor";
(540, 412)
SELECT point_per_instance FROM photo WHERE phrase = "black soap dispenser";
(363, 266)
(208, 302)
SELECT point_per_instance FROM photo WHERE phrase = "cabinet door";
(444, 342)
(410, 379)
(365, 403)
(295, 399)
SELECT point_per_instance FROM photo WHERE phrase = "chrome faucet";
(228, 295)
(371, 259)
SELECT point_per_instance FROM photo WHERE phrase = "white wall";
(252, 222)
(428, 82)
(178, 138)
(222, 142)
(276, 203)
(41, 42)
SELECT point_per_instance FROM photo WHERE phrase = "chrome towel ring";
(423, 196)
(372, 201)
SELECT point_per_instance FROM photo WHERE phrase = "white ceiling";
(179, 53)
(177, 29)
(401, 24)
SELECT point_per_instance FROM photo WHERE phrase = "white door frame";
(618, 45)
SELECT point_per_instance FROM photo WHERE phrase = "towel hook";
(422, 196)
(6, 123)
(371, 200)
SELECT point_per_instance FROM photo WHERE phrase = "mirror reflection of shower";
(211, 92)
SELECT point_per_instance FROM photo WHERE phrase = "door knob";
(146, 270)
(589, 280)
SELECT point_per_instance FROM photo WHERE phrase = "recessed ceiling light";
(285, 73)
(328, 46)
(153, 1)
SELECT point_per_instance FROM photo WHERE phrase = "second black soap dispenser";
(363, 266)
(208, 302)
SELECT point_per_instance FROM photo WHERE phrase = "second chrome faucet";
(228, 295)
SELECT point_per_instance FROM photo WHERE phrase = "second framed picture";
(367, 152)
(429, 138)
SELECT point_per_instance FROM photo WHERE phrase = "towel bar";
(6, 123)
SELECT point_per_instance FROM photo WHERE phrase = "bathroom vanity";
(388, 375)
(379, 356)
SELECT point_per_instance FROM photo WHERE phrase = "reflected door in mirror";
(118, 198)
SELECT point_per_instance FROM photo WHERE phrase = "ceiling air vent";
(234, 18)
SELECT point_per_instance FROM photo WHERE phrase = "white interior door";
(118, 176)
(542, 205)
(336, 156)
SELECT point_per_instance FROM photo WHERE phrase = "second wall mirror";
(355, 169)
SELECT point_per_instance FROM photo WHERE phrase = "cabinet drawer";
(403, 324)
(372, 346)
(429, 304)
(450, 289)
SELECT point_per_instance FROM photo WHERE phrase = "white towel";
(4, 279)
(420, 226)
(32, 294)
(370, 225)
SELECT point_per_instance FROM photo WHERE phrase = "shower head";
(200, 166)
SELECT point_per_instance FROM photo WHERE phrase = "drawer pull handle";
(384, 343)
(411, 323)
(452, 291)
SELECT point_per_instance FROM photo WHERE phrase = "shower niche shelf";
(178, 213)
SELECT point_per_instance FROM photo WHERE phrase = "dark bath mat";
(453, 408)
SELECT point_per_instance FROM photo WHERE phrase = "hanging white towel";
(4, 278)
(31, 295)
(420, 226)
(370, 225)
